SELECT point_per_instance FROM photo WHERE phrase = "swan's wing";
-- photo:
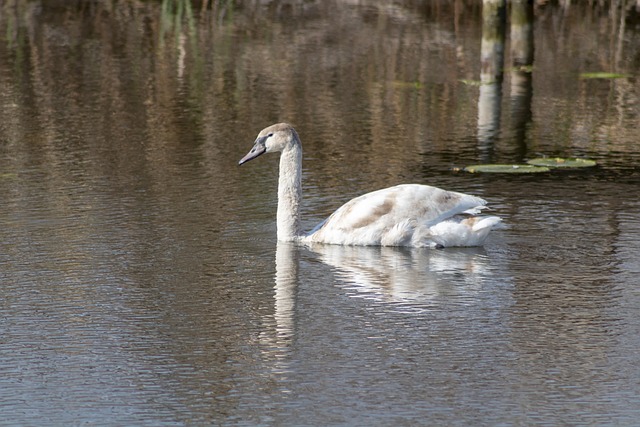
(368, 218)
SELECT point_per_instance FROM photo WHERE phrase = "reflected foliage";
(202, 65)
(137, 262)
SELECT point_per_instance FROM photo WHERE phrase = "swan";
(413, 215)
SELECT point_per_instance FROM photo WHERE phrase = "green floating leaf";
(499, 168)
(469, 82)
(559, 162)
(403, 84)
(524, 68)
(603, 75)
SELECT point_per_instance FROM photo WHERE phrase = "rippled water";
(140, 279)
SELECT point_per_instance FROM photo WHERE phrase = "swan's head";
(276, 137)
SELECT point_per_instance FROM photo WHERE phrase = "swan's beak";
(258, 149)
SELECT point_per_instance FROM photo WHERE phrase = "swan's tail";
(461, 230)
(485, 222)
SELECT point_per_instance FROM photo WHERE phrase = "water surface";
(140, 279)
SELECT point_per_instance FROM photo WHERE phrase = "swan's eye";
(270, 135)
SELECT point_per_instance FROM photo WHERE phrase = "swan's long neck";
(290, 193)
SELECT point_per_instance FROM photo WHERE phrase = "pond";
(141, 279)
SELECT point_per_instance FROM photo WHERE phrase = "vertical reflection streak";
(491, 75)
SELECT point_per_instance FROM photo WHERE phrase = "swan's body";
(405, 215)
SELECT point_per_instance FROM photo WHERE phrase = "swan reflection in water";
(403, 280)
(384, 273)
(405, 274)
(279, 327)
(287, 266)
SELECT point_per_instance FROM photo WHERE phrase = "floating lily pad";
(522, 68)
(603, 75)
(559, 162)
(499, 168)
(469, 82)
(403, 84)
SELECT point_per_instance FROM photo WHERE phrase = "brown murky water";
(140, 278)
